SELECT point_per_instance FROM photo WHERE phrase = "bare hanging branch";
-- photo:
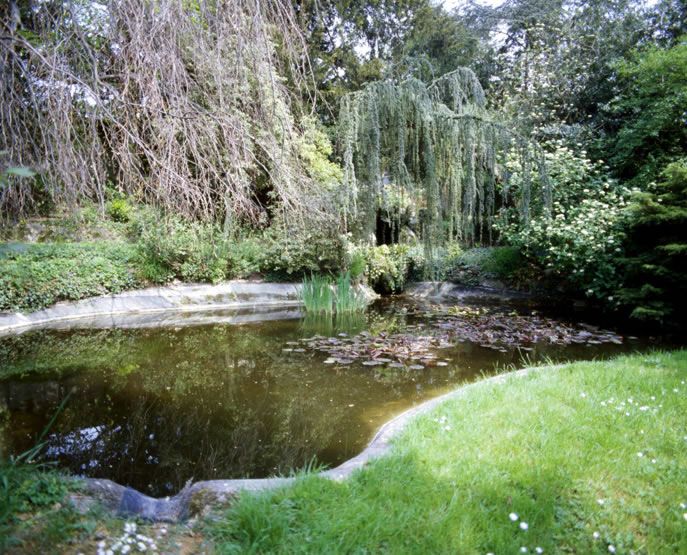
(177, 103)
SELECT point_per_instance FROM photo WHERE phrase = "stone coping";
(198, 497)
(155, 306)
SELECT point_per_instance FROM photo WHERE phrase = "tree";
(351, 42)
(649, 113)
(655, 288)
(437, 43)
(178, 103)
(427, 153)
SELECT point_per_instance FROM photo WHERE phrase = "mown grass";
(592, 456)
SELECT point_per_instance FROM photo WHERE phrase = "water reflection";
(155, 407)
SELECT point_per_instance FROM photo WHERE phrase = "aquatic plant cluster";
(319, 294)
(415, 347)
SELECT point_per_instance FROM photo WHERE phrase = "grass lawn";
(590, 457)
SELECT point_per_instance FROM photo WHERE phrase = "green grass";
(541, 446)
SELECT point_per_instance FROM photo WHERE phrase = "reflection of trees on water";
(144, 439)
(163, 405)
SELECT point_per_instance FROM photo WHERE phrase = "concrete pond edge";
(199, 497)
(115, 310)
(120, 309)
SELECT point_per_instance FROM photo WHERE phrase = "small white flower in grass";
(600, 501)
(640, 454)
(675, 390)
(513, 517)
(684, 516)
(583, 394)
(683, 505)
(596, 535)
(611, 548)
(653, 461)
(603, 403)
(653, 397)
(523, 549)
(524, 526)
(627, 414)
(643, 408)
(447, 428)
(539, 550)
(641, 432)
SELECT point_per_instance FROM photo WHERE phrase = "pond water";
(153, 407)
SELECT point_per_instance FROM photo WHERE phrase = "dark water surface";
(154, 407)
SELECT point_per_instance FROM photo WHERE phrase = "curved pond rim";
(184, 298)
(230, 295)
(195, 497)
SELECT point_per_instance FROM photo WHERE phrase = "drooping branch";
(436, 145)
(181, 104)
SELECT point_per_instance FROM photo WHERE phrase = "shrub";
(656, 244)
(387, 267)
(296, 253)
(578, 246)
(119, 210)
(171, 248)
(474, 265)
(44, 274)
(247, 256)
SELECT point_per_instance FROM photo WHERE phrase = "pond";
(154, 407)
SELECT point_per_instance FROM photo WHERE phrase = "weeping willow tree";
(435, 150)
(186, 104)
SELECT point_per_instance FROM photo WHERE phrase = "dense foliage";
(656, 246)
(377, 137)
(45, 274)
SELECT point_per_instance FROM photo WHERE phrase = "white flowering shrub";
(579, 240)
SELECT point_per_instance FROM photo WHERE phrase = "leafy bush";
(247, 256)
(474, 265)
(356, 265)
(171, 248)
(579, 245)
(119, 210)
(387, 267)
(44, 274)
(296, 253)
(578, 241)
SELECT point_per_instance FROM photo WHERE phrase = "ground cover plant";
(43, 274)
(585, 458)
